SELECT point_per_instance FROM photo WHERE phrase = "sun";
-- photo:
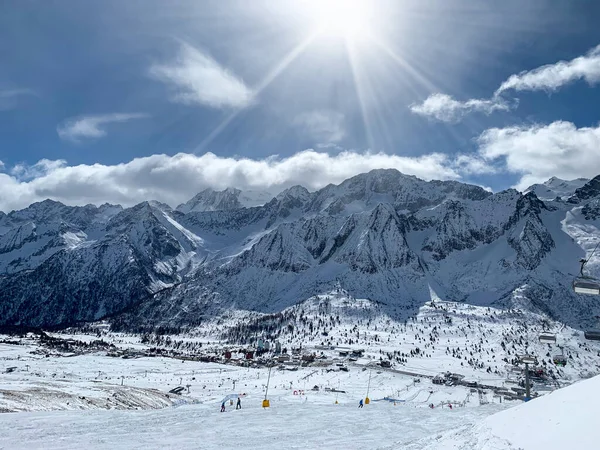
(344, 18)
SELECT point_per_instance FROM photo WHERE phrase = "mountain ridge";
(382, 235)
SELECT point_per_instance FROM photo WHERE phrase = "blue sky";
(122, 101)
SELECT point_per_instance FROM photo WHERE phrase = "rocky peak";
(210, 200)
(461, 191)
(556, 189)
(294, 192)
(589, 190)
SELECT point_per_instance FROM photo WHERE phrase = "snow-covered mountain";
(381, 235)
(556, 188)
(226, 200)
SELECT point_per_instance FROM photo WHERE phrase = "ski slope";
(77, 401)
(287, 424)
(566, 418)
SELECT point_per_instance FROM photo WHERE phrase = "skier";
(360, 404)
(239, 404)
(450, 405)
(223, 407)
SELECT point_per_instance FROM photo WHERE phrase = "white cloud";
(77, 128)
(552, 76)
(9, 97)
(323, 125)
(539, 152)
(469, 164)
(196, 78)
(548, 78)
(175, 179)
(39, 169)
(446, 109)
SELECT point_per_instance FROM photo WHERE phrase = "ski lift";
(547, 338)
(559, 360)
(592, 335)
(527, 359)
(585, 284)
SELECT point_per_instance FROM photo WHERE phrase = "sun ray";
(421, 79)
(358, 86)
(264, 83)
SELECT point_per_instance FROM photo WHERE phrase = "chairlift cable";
(584, 262)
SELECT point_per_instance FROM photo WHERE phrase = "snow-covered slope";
(556, 188)
(563, 419)
(382, 235)
(226, 200)
(60, 264)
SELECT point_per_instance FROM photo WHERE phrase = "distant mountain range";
(382, 235)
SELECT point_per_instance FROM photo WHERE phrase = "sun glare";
(345, 18)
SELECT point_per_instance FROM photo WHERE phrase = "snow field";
(288, 424)
(566, 418)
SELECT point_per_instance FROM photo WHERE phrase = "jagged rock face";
(209, 200)
(72, 286)
(456, 231)
(404, 192)
(591, 211)
(588, 191)
(52, 272)
(36, 233)
(532, 243)
(375, 243)
(381, 235)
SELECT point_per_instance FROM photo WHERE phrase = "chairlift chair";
(559, 360)
(547, 338)
(592, 335)
(585, 284)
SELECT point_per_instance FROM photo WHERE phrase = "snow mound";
(565, 418)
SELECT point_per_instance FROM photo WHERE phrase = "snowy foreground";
(298, 417)
(284, 425)
(118, 397)
(567, 418)
(559, 420)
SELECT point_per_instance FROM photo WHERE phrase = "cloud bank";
(534, 153)
(196, 79)
(175, 179)
(89, 127)
(539, 152)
